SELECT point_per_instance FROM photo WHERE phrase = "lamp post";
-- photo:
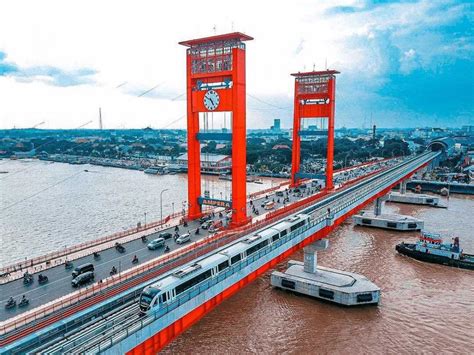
(172, 204)
(145, 219)
(161, 204)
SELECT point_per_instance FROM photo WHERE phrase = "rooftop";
(315, 73)
(236, 36)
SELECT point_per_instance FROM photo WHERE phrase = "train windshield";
(148, 294)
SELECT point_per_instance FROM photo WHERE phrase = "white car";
(183, 238)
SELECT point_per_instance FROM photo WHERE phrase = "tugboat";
(430, 248)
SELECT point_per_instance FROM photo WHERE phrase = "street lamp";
(145, 219)
(161, 203)
(172, 204)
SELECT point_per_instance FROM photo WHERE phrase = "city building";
(210, 163)
(276, 125)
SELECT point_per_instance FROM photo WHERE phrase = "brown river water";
(425, 308)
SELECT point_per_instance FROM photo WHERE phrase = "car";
(165, 235)
(279, 193)
(205, 218)
(83, 279)
(215, 226)
(206, 225)
(81, 269)
(156, 243)
(183, 238)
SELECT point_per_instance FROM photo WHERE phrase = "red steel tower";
(315, 94)
(215, 69)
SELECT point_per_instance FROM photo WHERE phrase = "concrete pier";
(416, 199)
(377, 219)
(388, 221)
(332, 285)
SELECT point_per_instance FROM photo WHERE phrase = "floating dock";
(415, 199)
(388, 221)
(341, 287)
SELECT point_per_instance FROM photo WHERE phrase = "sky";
(402, 64)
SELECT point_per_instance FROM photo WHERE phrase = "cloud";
(76, 57)
(47, 74)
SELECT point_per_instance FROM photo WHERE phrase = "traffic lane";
(59, 283)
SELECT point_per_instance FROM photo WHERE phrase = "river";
(47, 206)
(425, 308)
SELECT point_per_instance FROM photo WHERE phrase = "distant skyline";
(403, 64)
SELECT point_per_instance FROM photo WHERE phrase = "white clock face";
(211, 100)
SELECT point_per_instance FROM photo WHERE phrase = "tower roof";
(218, 38)
(313, 73)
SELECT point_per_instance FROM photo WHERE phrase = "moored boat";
(430, 248)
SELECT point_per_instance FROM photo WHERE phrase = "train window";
(192, 282)
(366, 221)
(223, 265)
(283, 233)
(391, 224)
(412, 225)
(235, 259)
(164, 297)
(256, 247)
(296, 226)
(275, 237)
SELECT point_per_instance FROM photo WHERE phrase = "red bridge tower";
(315, 94)
(215, 69)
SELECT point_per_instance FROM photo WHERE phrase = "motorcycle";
(68, 264)
(11, 303)
(113, 271)
(135, 260)
(27, 279)
(96, 255)
(24, 302)
(42, 279)
(144, 239)
(167, 249)
(176, 228)
(197, 231)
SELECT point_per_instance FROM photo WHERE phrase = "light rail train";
(190, 275)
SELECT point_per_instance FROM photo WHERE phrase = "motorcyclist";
(197, 230)
(10, 300)
(176, 228)
(167, 248)
(114, 270)
(24, 299)
(135, 259)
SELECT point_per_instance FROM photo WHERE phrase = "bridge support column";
(311, 255)
(378, 205)
(403, 187)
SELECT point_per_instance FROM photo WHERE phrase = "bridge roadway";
(320, 207)
(60, 279)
